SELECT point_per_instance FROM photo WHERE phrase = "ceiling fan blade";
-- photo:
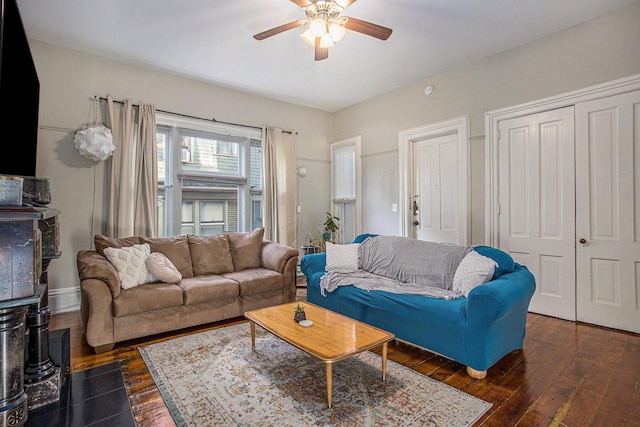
(344, 3)
(321, 52)
(277, 30)
(302, 3)
(364, 27)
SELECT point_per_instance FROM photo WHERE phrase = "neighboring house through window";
(209, 177)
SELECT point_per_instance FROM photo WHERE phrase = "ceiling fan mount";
(330, 9)
(325, 26)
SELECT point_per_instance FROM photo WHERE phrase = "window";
(209, 177)
(345, 187)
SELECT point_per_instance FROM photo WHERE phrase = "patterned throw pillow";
(130, 263)
(162, 268)
(474, 270)
(342, 258)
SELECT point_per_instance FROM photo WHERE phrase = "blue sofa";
(476, 331)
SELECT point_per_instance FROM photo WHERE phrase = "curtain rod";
(99, 98)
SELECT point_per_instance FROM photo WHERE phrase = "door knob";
(416, 222)
(583, 242)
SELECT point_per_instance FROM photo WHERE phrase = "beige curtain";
(279, 187)
(133, 183)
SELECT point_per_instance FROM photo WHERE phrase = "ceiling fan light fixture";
(324, 27)
(326, 41)
(308, 37)
(318, 26)
(337, 30)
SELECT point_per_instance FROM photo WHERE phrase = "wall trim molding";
(64, 300)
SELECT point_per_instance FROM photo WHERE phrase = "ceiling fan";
(325, 26)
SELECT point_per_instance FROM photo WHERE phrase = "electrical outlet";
(394, 207)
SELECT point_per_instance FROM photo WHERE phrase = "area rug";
(213, 378)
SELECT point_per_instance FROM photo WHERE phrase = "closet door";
(608, 211)
(537, 205)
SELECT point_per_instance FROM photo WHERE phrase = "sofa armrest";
(313, 263)
(92, 265)
(275, 256)
(494, 299)
(96, 309)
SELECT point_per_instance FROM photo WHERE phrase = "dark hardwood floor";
(568, 374)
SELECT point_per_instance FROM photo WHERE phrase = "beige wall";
(68, 82)
(595, 52)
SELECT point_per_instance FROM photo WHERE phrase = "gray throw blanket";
(402, 265)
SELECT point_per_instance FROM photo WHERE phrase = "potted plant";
(330, 227)
(299, 313)
(312, 242)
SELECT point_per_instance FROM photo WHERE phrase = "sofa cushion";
(102, 242)
(210, 254)
(208, 288)
(474, 270)
(162, 268)
(147, 297)
(342, 258)
(245, 248)
(256, 280)
(130, 264)
(176, 249)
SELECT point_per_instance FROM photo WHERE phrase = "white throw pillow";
(162, 268)
(474, 270)
(130, 263)
(342, 258)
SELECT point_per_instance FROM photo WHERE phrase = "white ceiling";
(211, 40)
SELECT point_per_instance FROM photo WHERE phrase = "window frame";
(175, 175)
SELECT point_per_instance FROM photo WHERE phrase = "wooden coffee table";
(331, 338)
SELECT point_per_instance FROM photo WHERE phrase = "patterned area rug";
(214, 379)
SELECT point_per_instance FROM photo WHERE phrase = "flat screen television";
(19, 96)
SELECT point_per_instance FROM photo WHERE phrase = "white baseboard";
(64, 300)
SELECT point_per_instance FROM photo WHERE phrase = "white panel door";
(537, 205)
(608, 211)
(437, 190)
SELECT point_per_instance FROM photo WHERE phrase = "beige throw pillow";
(176, 249)
(162, 268)
(130, 263)
(245, 248)
(210, 254)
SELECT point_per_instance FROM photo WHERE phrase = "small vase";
(299, 316)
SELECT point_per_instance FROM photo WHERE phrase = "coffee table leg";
(253, 334)
(384, 361)
(329, 375)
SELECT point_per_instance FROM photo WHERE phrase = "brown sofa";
(221, 277)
